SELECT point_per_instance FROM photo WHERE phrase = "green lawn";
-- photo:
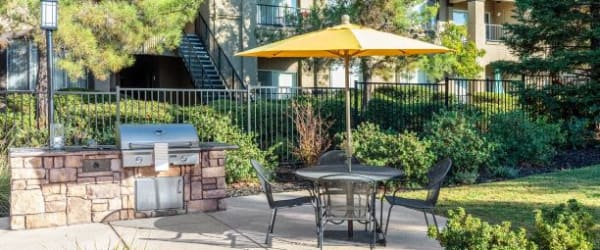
(515, 200)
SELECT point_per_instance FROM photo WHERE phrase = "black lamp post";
(49, 23)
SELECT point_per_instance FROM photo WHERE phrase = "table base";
(359, 237)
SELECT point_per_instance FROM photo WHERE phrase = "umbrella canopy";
(345, 41)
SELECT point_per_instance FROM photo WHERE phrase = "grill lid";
(143, 136)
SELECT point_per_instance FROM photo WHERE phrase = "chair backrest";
(335, 157)
(264, 181)
(436, 176)
(333, 196)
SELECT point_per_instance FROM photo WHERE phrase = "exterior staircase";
(199, 64)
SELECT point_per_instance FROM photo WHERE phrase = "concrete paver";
(86, 236)
(241, 226)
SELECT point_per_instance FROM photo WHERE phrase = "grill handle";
(151, 145)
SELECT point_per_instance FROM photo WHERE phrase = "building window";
(21, 63)
(22, 66)
(283, 83)
(337, 75)
(276, 12)
(460, 17)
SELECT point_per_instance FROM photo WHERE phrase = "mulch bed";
(564, 160)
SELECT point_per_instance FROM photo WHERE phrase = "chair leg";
(426, 220)
(387, 223)
(321, 234)
(381, 210)
(435, 221)
(271, 226)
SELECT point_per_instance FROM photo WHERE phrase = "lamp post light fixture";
(49, 23)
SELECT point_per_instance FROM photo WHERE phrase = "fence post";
(118, 105)
(447, 92)
(356, 118)
(248, 114)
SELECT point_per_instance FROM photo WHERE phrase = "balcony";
(276, 15)
(494, 32)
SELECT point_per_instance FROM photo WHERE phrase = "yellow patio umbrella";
(345, 41)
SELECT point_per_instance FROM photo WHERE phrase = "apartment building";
(484, 20)
(255, 18)
(206, 58)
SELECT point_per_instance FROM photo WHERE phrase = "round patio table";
(378, 174)
(375, 173)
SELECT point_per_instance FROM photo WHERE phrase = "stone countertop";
(211, 146)
(68, 150)
(101, 150)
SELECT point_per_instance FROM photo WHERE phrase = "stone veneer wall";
(50, 188)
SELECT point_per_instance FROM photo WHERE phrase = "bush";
(562, 101)
(566, 227)
(408, 94)
(578, 132)
(524, 140)
(385, 148)
(454, 135)
(466, 232)
(312, 129)
(24, 103)
(213, 126)
(391, 114)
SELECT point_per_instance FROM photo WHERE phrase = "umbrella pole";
(348, 119)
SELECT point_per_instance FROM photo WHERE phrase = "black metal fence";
(266, 112)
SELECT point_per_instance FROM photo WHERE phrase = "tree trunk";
(595, 40)
(367, 72)
(315, 72)
(42, 90)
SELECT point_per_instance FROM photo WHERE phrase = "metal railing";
(277, 15)
(220, 57)
(494, 32)
(265, 112)
(188, 59)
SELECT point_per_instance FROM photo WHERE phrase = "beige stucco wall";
(233, 23)
(500, 12)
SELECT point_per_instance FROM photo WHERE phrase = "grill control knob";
(139, 159)
(184, 159)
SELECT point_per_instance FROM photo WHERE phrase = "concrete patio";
(241, 226)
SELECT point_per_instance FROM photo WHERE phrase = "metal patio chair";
(436, 176)
(356, 204)
(335, 157)
(278, 204)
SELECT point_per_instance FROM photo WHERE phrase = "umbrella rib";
(335, 53)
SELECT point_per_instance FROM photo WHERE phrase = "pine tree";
(96, 36)
(555, 38)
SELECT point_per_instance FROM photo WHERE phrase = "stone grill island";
(78, 185)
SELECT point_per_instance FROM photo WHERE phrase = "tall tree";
(99, 36)
(462, 62)
(555, 37)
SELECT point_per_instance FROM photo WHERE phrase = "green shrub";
(454, 135)
(524, 140)
(6, 140)
(391, 114)
(24, 103)
(408, 94)
(578, 132)
(489, 102)
(562, 101)
(566, 226)
(213, 126)
(463, 231)
(385, 148)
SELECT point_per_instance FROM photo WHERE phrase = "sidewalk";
(241, 226)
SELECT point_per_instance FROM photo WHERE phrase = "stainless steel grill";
(136, 142)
